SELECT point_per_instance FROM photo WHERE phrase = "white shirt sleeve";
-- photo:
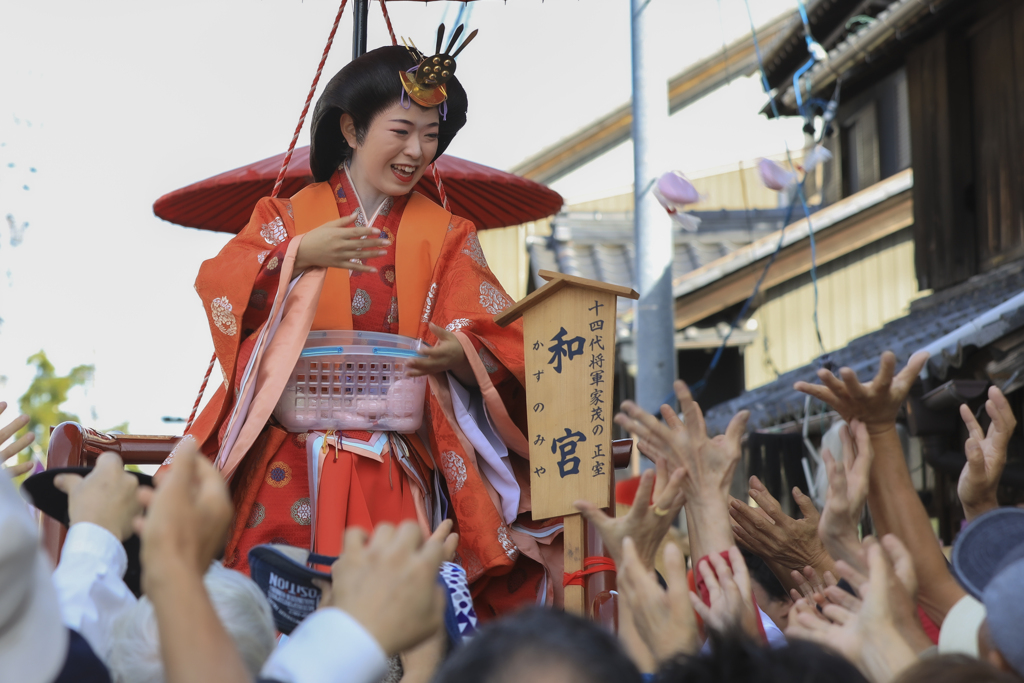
(90, 585)
(328, 647)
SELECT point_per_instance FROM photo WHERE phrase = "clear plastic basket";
(348, 379)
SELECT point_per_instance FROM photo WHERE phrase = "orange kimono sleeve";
(226, 286)
(467, 297)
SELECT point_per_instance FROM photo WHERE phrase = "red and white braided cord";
(202, 390)
(440, 188)
(309, 98)
(387, 20)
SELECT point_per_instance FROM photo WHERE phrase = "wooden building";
(927, 188)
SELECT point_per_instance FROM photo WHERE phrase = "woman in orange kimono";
(359, 250)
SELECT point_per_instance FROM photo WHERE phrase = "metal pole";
(654, 321)
(360, 13)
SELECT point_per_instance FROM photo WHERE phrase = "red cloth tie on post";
(591, 565)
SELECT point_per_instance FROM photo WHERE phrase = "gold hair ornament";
(424, 83)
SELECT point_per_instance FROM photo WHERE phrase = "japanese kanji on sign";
(569, 338)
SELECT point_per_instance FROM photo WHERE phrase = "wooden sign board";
(569, 348)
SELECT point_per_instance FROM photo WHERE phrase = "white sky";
(116, 103)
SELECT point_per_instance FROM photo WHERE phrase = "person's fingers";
(741, 575)
(831, 471)
(833, 383)
(886, 370)
(66, 482)
(18, 446)
(854, 388)
(9, 430)
(902, 561)
(766, 501)
(18, 469)
(805, 504)
(818, 391)
(745, 540)
(829, 579)
(409, 537)
(908, 375)
(838, 596)
(326, 591)
(722, 570)
(443, 530)
(710, 578)
(661, 476)
(852, 576)
(594, 514)
(865, 452)
(837, 614)
(670, 494)
(812, 578)
(975, 458)
(795, 595)
(1000, 411)
(348, 220)
(751, 520)
(355, 545)
(108, 461)
(737, 428)
(973, 428)
(450, 547)
(802, 586)
(671, 417)
(642, 501)
(700, 608)
(755, 483)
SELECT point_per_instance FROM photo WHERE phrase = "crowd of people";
(755, 595)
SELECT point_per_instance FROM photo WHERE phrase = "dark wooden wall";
(966, 95)
(940, 133)
(997, 72)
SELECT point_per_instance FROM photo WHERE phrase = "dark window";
(859, 139)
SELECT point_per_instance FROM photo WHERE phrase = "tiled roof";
(600, 245)
(931, 319)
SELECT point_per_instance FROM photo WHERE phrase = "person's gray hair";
(238, 601)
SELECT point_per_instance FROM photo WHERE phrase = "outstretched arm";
(893, 500)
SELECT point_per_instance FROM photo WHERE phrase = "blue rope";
(698, 388)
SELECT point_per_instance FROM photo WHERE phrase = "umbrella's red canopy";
(488, 197)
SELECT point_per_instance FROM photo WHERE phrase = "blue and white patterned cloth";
(459, 616)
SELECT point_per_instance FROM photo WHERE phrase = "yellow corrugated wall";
(505, 249)
(857, 294)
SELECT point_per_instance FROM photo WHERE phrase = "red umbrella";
(488, 197)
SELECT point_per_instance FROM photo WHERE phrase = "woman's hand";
(336, 245)
(447, 355)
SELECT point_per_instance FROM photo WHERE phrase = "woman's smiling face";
(397, 148)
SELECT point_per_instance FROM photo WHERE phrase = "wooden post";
(569, 338)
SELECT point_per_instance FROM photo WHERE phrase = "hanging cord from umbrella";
(309, 98)
(280, 180)
(387, 20)
(202, 390)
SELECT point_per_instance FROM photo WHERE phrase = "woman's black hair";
(734, 658)
(364, 88)
(539, 638)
